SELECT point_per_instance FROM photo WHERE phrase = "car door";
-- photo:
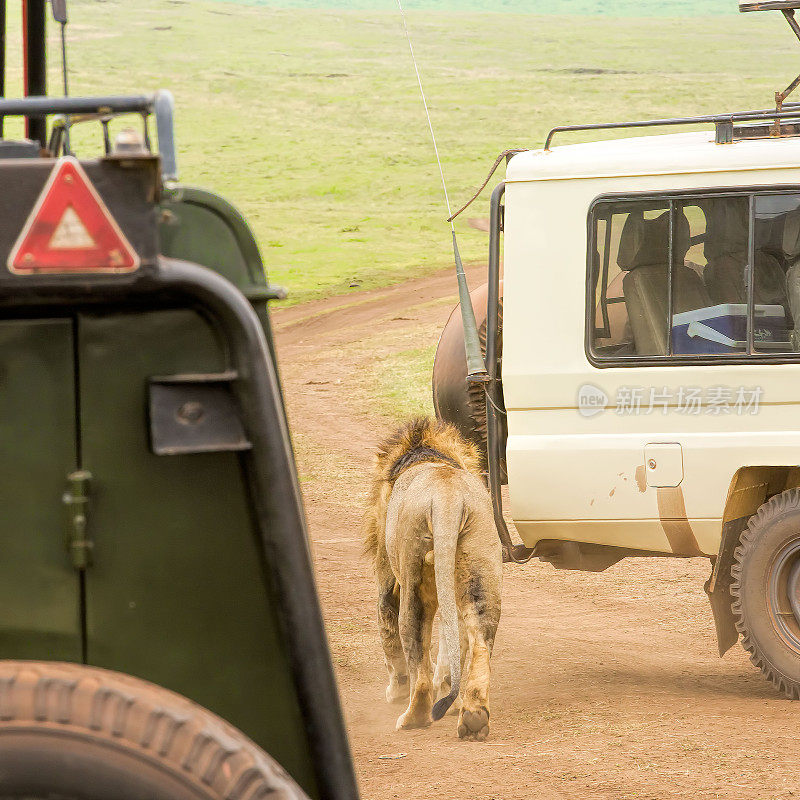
(40, 589)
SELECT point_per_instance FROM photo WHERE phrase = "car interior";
(709, 276)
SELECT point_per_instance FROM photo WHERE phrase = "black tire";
(766, 565)
(80, 733)
(477, 399)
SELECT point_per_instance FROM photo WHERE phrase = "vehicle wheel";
(766, 590)
(80, 733)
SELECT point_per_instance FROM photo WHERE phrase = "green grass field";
(310, 120)
(614, 8)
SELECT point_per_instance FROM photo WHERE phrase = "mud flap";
(718, 586)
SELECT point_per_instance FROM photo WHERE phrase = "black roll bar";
(35, 58)
(269, 467)
(160, 103)
(164, 106)
(41, 106)
(2, 56)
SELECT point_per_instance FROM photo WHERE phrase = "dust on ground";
(604, 686)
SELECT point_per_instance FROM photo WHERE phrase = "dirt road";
(604, 686)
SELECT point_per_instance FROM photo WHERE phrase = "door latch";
(76, 501)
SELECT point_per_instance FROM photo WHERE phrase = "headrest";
(645, 242)
(727, 227)
(791, 235)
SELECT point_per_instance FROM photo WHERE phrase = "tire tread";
(777, 506)
(151, 722)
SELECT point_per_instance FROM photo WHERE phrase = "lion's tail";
(446, 523)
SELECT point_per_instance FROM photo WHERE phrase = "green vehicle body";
(152, 522)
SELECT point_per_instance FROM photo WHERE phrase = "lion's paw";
(473, 726)
(413, 719)
(398, 690)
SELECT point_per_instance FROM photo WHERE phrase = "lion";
(430, 531)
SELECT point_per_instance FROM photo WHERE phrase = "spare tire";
(70, 731)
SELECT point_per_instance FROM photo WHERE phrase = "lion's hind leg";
(388, 614)
(481, 615)
(417, 610)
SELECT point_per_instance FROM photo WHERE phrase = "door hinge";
(76, 501)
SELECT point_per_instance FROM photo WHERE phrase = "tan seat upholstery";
(644, 255)
(725, 250)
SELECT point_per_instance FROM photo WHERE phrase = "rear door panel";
(176, 594)
(39, 589)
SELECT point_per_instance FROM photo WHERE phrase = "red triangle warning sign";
(70, 230)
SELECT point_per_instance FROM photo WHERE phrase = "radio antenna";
(476, 367)
(427, 111)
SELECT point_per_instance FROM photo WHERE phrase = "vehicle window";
(708, 301)
(618, 246)
(776, 274)
(711, 285)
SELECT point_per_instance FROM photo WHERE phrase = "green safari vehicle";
(160, 631)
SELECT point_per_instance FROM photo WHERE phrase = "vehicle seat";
(726, 253)
(644, 255)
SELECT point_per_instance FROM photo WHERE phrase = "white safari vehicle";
(645, 397)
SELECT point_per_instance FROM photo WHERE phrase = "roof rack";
(768, 5)
(723, 123)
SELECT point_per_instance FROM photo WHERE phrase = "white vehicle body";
(663, 479)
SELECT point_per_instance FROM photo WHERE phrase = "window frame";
(671, 197)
